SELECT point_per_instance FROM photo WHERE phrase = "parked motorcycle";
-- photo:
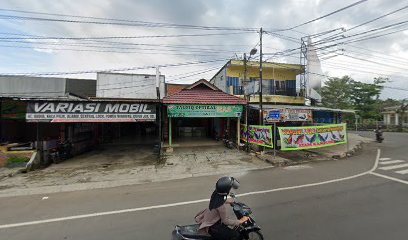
(249, 230)
(227, 142)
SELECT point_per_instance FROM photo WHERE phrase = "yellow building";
(278, 85)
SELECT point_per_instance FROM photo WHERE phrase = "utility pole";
(260, 78)
(247, 99)
(158, 109)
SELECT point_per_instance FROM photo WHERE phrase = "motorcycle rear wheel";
(255, 236)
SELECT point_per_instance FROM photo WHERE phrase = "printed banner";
(89, 112)
(259, 135)
(188, 110)
(296, 138)
(288, 115)
(11, 109)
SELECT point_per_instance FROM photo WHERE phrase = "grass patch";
(17, 159)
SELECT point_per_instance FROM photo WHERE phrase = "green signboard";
(13, 110)
(306, 137)
(190, 110)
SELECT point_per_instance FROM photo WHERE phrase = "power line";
(367, 22)
(113, 21)
(121, 37)
(326, 15)
(116, 69)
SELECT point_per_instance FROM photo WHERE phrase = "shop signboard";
(288, 115)
(273, 116)
(196, 111)
(259, 135)
(90, 112)
(306, 137)
(13, 110)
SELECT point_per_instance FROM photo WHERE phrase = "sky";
(136, 35)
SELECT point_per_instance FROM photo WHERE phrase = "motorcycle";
(379, 136)
(227, 142)
(249, 230)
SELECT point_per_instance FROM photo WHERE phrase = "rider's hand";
(243, 219)
(229, 201)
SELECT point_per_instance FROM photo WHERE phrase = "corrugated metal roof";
(106, 99)
(315, 108)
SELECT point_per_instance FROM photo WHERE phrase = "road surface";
(363, 197)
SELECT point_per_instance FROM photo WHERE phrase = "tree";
(345, 93)
(365, 98)
(336, 93)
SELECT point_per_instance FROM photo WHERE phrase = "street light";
(251, 53)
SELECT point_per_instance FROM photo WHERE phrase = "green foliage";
(336, 93)
(345, 93)
(17, 159)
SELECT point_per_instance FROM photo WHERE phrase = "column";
(238, 132)
(170, 135)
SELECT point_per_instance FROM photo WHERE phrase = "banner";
(189, 110)
(288, 115)
(89, 112)
(11, 109)
(259, 135)
(297, 138)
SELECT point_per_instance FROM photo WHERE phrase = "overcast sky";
(385, 56)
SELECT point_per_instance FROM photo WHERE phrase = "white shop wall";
(122, 85)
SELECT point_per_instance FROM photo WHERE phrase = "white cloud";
(268, 14)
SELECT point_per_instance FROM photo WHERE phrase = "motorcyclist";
(379, 134)
(214, 219)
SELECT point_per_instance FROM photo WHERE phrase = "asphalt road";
(357, 204)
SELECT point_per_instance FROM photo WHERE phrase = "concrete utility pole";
(246, 94)
(260, 79)
(158, 109)
(247, 99)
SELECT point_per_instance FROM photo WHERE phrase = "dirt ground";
(135, 164)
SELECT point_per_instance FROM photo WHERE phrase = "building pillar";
(238, 132)
(387, 119)
(396, 118)
(170, 135)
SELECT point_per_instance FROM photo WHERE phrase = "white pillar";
(396, 118)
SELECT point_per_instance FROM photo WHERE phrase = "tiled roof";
(174, 88)
(202, 94)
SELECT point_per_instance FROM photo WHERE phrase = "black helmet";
(224, 185)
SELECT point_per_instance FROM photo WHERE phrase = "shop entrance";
(198, 131)
(139, 133)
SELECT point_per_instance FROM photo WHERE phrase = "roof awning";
(313, 108)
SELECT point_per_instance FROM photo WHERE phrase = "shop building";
(394, 116)
(201, 112)
(279, 84)
(47, 114)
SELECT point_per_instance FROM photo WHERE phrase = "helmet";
(224, 185)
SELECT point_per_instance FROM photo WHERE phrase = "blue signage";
(273, 115)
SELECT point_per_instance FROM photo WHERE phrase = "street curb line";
(21, 224)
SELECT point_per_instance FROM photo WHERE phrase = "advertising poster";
(259, 135)
(13, 109)
(288, 115)
(297, 138)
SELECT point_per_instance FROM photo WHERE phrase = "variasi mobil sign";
(89, 112)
